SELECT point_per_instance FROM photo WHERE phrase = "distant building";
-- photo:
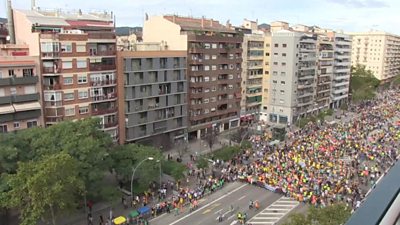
(214, 57)
(77, 61)
(126, 43)
(378, 51)
(3, 31)
(153, 102)
(20, 89)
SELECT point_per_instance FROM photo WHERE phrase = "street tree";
(330, 215)
(211, 138)
(363, 83)
(46, 185)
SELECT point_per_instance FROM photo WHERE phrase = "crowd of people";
(329, 163)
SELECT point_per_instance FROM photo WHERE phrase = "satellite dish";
(8, 38)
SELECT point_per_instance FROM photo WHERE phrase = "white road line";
(198, 210)
(244, 196)
(218, 211)
(231, 217)
(158, 217)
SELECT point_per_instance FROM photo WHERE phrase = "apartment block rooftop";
(192, 24)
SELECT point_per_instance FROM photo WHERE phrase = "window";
(11, 73)
(67, 65)
(283, 82)
(267, 54)
(275, 63)
(282, 92)
(83, 110)
(70, 112)
(284, 45)
(66, 47)
(283, 64)
(81, 64)
(275, 54)
(30, 89)
(13, 91)
(206, 79)
(207, 45)
(2, 92)
(1, 74)
(283, 73)
(82, 79)
(31, 124)
(281, 101)
(213, 99)
(284, 54)
(27, 72)
(69, 96)
(274, 72)
(206, 57)
(213, 88)
(213, 67)
(81, 48)
(214, 57)
(206, 100)
(267, 45)
(83, 94)
(276, 45)
(49, 47)
(68, 81)
(206, 68)
(16, 125)
(274, 81)
(206, 111)
(230, 76)
(3, 128)
(214, 45)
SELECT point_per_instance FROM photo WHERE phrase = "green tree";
(49, 184)
(331, 215)
(127, 157)
(202, 163)
(174, 169)
(363, 83)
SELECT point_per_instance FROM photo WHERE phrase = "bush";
(246, 145)
(174, 169)
(226, 153)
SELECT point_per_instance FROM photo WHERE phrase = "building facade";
(325, 72)
(153, 102)
(341, 70)
(20, 98)
(378, 51)
(78, 63)
(214, 58)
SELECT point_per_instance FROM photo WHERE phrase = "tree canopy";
(331, 215)
(363, 83)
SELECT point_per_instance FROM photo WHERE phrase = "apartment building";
(378, 51)
(293, 76)
(252, 72)
(214, 58)
(78, 63)
(3, 31)
(266, 77)
(153, 109)
(341, 70)
(325, 71)
(20, 89)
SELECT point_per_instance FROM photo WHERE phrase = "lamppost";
(134, 170)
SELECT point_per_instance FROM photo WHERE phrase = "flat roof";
(374, 208)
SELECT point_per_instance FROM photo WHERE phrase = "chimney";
(202, 21)
(33, 4)
(10, 22)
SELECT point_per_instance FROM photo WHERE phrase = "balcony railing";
(51, 70)
(100, 67)
(111, 124)
(52, 87)
(103, 82)
(101, 35)
(111, 96)
(104, 111)
(53, 104)
(102, 53)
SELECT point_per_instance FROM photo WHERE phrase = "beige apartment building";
(214, 62)
(77, 54)
(378, 51)
(20, 89)
(252, 72)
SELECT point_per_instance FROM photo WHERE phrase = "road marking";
(274, 212)
(158, 217)
(218, 211)
(223, 196)
(206, 211)
(244, 196)
(234, 222)
(231, 217)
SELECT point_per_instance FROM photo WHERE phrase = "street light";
(134, 170)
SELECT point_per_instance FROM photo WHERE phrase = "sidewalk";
(106, 209)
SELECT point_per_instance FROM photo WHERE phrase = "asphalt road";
(238, 195)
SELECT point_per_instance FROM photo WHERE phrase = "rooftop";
(191, 23)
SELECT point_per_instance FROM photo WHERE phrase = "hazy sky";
(348, 15)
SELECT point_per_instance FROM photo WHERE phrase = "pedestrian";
(90, 219)
(101, 219)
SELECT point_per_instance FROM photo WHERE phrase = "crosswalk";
(274, 212)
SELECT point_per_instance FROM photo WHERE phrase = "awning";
(119, 220)
(134, 214)
(143, 210)
(27, 106)
(6, 109)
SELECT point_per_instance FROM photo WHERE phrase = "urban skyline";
(347, 15)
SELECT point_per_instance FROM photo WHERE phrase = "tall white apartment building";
(378, 51)
(341, 70)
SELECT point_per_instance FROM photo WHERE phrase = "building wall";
(266, 77)
(158, 29)
(154, 96)
(23, 33)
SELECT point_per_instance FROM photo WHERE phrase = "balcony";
(51, 70)
(5, 82)
(103, 111)
(25, 98)
(24, 80)
(101, 67)
(102, 53)
(342, 70)
(51, 87)
(101, 35)
(305, 94)
(52, 104)
(307, 77)
(102, 98)
(110, 124)
(50, 55)
(112, 82)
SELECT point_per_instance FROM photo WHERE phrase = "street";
(273, 207)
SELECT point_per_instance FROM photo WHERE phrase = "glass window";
(81, 48)
(13, 91)
(70, 111)
(81, 64)
(16, 125)
(31, 89)
(68, 80)
(69, 96)
(66, 47)
(67, 65)
(83, 94)
(83, 110)
(31, 124)
(82, 79)
(3, 128)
